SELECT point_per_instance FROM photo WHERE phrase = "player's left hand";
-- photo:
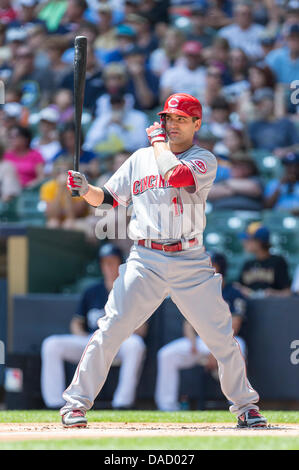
(156, 133)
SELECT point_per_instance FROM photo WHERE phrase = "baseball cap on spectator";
(110, 250)
(220, 260)
(192, 48)
(125, 30)
(114, 68)
(263, 94)
(28, 3)
(13, 110)
(134, 18)
(49, 114)
(292, 5)
(291, 29)
(134, 50)
(199, 8)
(104, 8)
(256, 231)
(267, 38)
(16, 35)
(290, 158)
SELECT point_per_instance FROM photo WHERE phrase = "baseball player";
(189, 351)
(167, 183)
(59, 348)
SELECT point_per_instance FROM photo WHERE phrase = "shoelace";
(77, 413)
(254, 413)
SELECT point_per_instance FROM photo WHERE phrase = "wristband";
(166, 161)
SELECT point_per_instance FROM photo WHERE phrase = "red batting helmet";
(182, 104)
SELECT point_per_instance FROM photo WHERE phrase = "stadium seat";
(30, 209)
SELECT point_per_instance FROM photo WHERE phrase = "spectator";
(120, 129)
(260, 76)
(285, 61)
(115, 81)
(266, 274)
(7, 12)
(283, 194)
(63, 103)
(277, 135)
(59, 348)
(47, 142)
(27, 14)
(94, 85)
(115, 163)
(142, 83)
(89, 164)
(36, 84)
(212, 91)
(37, 37)
(125, 40)
(14, 38)
(73, 18)
(219, 117)
(234, 143)
(189, 78)
(106, 34)
(295, 282)
(146, 39)
(11, 115)
(242, 191)
(55, 46)
(9, 182)
(238, 75)
(62, 210)
(189, 351)
(169, 53)
(219, 56)
(29, 163)
(243, 33)
(199, 29)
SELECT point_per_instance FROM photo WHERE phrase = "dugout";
(272, 326)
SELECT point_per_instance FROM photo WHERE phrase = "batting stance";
(167, 259)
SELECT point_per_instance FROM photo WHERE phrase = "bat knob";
(75, 193)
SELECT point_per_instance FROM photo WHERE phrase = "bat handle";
(75, 193)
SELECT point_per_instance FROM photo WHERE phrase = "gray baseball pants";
(144, 281)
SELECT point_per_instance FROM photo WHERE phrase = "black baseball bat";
(79, 87)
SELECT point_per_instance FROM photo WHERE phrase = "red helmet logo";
(183, 105)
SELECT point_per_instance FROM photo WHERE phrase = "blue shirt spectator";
(285, 61)
(278, 135)
(284, 193)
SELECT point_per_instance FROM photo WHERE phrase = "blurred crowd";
(239, 58)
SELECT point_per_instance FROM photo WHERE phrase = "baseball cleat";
(251, 419)
(74, 419)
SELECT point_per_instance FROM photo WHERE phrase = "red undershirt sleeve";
(181, 176)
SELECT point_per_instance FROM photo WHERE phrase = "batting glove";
(76, 180)
(156, 132)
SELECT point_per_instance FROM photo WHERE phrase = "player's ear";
(197, 124)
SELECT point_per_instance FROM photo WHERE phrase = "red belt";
(176, 246)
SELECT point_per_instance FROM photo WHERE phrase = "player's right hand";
(156, 133)
(77, 180)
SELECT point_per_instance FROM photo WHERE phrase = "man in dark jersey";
(266, 274)
(59, 348)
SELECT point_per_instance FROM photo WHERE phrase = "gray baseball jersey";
(161, 211)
